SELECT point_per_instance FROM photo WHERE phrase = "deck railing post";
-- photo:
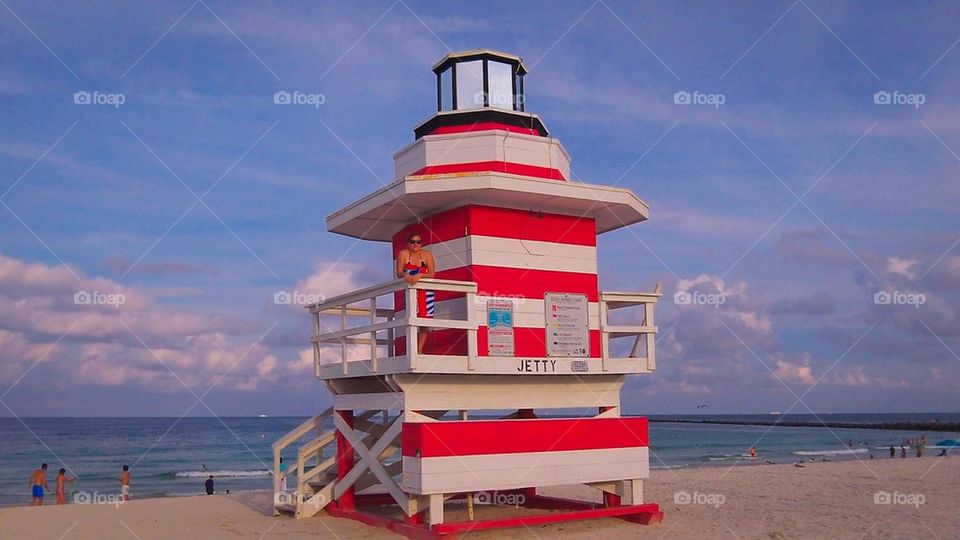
(411, 309)
(472, 352)
(604, 336)
(651, 337)
(343, 340)
(373, 333)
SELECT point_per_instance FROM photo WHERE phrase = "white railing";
(314, 450)
(645, 332)
(360, 321)
(349, 307)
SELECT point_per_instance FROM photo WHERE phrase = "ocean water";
(170, 457)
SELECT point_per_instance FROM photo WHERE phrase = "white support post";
(636, 491)
(435, 515)
(298, 496)
(276, 479)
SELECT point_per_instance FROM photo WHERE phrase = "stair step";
(286, 508)
(322, 482)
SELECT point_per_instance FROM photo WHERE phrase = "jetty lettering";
(537, 366)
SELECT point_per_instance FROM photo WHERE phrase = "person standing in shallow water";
(414, 263)
(208, 485)
(38, 483)
(62, 481)
(125, 483)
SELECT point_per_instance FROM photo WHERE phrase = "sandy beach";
(821, 500)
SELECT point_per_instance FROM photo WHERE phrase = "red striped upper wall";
(521, 169)
(499, 222)
(528, 343)
(482, 126)
(478, 437)
(522, 283)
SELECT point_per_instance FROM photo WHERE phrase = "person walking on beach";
(893, 452)
(62, 480)
(125, 483)
(414, 263)
(209, 485)
(903, 451)
(38, 483)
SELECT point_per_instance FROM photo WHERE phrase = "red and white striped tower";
(520, 325)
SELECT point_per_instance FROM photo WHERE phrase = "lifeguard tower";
(521, 335)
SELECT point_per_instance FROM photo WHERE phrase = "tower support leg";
(345, 461)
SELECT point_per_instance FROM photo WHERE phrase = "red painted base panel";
(645, 514)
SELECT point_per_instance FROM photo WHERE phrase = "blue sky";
(796, 200)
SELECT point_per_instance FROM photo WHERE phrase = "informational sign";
(568, 328)
(499, 327)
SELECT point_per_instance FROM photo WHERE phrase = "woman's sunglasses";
(418, 242)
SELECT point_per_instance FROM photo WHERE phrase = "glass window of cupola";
(469, 83)
(500, 84)
(479, 81)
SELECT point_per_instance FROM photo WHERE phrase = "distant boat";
(261, 416)
(776, 413)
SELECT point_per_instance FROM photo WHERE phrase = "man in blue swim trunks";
(38, 481)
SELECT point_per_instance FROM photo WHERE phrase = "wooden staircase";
(316, 475)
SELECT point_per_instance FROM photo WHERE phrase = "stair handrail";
(291, 437)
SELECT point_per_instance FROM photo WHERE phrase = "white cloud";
(902, 267)
(795, 372)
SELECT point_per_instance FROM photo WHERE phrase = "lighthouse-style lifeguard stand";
(521, 335)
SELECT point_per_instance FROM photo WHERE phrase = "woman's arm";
(431, 265)
(402, 256)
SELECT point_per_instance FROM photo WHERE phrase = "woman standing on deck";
(414, 263)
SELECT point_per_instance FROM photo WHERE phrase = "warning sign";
(568, 328)
(499, 327)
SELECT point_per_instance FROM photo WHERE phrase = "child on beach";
(62, 480)
(38, 483)
(125, 483)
